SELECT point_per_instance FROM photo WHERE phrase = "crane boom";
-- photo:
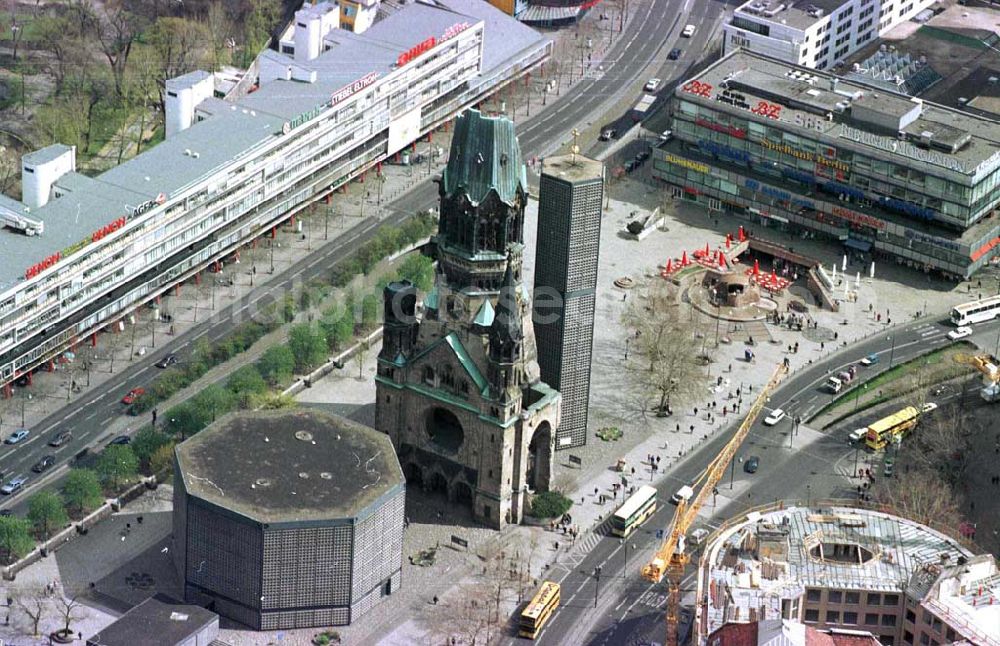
(671, 558)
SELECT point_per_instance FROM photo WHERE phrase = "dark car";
(61, 439)
(674, 54)
(44, 464)
(167, 361)
(6, 512)
(752, 464)
(121, 439)
(630, 166)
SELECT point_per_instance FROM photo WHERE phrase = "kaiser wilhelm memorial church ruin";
(458, 388)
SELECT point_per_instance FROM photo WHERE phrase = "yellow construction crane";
(985, 364)
(671, 558)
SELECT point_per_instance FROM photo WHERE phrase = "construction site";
(848, 568)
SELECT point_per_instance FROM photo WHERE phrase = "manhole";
(305, 436)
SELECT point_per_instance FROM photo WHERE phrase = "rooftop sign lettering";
(903, 148)
(415, 51)
(149, 205)
(454, 30)
(351, 88)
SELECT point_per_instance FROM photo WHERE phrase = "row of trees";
(109, 61)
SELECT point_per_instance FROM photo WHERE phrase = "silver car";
(13, 485)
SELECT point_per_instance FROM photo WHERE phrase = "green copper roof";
(484, 156)
(431, 300)
(484, 318)
(463, 358)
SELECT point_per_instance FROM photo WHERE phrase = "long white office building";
(814, 33)
(81, 252)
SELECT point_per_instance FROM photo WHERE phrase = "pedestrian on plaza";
(695, 411)
(724, 411)
(678, 427)
(633, 470)
(657, 459)
(435, 600)
(822, 346)
(595, 490)
(154, 416)
(878, 318)
(692, 430)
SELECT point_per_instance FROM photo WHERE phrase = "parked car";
(17, 436)
(960, 333)
(870, 360)
(643, 156)
(652, 84)
(928, 407)
(132, 395)
(674, 54)
(888, 468)
(858, 434)
(752, 464)
(688, 31)
(44, 464)
(121, 439)
(167, 361)
(776, 416)
(666, 135)
(608, 134)
(13, 485)
(61, 439)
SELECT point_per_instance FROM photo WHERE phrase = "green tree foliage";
(277, 364)
(82, 491)
(47, 514)
(549, 504)
(245, 383)
(338, 328)
(117, 465)
(308, 346)
(184, 420)
(369, 312)
(146, 442)
(15, 538)
(419, 270)
(260, 22)
(212, 402)
(161, 463)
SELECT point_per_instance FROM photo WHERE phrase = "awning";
(536, 14)
(860, 245)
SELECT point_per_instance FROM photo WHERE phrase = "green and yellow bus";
(634, 511)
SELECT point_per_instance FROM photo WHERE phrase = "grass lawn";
(906, 377)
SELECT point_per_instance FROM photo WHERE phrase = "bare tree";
(220, 29)
(664, 360)
(921, 494)
(59, 36)
(469, 617)
(178, 44)
(69, 609)
(942, 443)
(10, 168)
(116, 29)
(35, 606)
(360, 355)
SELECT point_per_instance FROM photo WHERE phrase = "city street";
(629, 609)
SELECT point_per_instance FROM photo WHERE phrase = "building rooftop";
(289, 466)
(779, 554)
(235, 129)
(967, 596)
(852, 112)
(572, 168)
(157, 621)
(46, 154)
(798, 15)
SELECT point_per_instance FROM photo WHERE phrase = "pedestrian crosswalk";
(582, 547)
(653, 599)
(928, 330)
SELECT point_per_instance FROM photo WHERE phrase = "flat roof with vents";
(800, 14)
(847, 113)
(289, 466)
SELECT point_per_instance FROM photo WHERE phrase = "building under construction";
(849, 568)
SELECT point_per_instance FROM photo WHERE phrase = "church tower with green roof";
(458, 385)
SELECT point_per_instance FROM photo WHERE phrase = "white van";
(684, 493)
(688, 31)
(698, 536)
(858, 434)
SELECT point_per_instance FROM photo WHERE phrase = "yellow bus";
(883, 431)
(634, 511)
(538, 610)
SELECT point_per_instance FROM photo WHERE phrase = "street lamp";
(857, 395)
(597, 583)
(892, 349)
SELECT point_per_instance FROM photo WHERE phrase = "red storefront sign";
(739, 133)
(107, 229)
(415, 51)
(39, 267)
(857, 218)
(697, 88)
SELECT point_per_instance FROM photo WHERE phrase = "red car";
(132, 395)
